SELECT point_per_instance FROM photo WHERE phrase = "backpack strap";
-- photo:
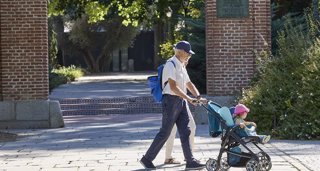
(165, 83)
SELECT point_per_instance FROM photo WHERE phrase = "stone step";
(117, 105)
(102, 106)
(145, 99)
(111, 111)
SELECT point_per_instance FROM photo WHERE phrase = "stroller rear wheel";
(212, 165)
(264, 161)
(252, 165)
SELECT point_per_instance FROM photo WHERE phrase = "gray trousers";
(174, 112)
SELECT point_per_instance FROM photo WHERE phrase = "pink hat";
(240, 108)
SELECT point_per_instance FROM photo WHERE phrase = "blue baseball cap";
(184, 45)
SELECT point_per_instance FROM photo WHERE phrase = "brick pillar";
(24, 86)
(24, 50)
(1, 97)
(230, 42)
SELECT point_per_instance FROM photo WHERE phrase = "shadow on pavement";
(94, 132)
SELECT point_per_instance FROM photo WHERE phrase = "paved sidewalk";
(117, 142)
(105, 86)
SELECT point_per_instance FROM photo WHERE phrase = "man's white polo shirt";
(178, 73)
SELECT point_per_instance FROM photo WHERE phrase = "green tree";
(116, 21)
(84, 34)
(283, 7)
(133, 12)
(189, 24)
(283, 10)
(53, 45)
(147, 13)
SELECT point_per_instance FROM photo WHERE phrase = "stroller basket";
(236, 158)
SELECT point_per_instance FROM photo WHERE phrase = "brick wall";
(230, 44)
(1, 98)
(24, 50)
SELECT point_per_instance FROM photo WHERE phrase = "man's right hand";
(193, 101)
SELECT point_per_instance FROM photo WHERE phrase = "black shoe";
(194, 165)
(147, 164)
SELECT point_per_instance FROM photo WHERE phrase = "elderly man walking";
(175, 83)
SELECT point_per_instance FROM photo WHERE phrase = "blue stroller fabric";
(215, 129)
(214, 124)
(234, 159)
(226, 115)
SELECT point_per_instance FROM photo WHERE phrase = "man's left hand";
(203, 100)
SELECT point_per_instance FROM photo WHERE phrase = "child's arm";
(250, 123)
(238, 122)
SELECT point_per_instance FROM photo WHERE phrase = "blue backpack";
(155, 83)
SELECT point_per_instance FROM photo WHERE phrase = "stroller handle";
(200, 103)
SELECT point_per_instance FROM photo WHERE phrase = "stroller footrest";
(251, 139)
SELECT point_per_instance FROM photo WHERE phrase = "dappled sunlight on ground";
(117, 142)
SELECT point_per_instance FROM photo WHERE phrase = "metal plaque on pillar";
(232, 8)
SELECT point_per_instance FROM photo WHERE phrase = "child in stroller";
(230, 154)
(249, 128)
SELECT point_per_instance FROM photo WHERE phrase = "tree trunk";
(102, 61)
(104, 58)
(106, 63)
(158, 39)
(92, 64)
(59, 29)
(87, 61)
(96, 67)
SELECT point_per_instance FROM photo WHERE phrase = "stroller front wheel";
(224, 164)
(252, 165)
(264, 161)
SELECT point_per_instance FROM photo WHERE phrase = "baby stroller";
(230, 154)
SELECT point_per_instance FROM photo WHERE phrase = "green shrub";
(63, 75)
(308, 102)
(71, 72)
(55, 80)
(284, 100)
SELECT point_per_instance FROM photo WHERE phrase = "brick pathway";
(117, 142)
